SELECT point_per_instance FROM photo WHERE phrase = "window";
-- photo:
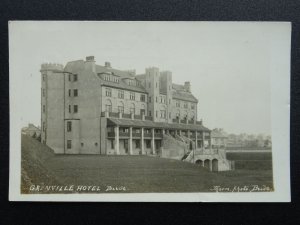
(149, 112)
(192, 106)
(69, 126)
(75, 108)
(70, 77)
(162, 114)
(137, 143)
(121, 94)
(121, 109)
(143, 98)
(81, 144)
(161, 99)
(69, 144)
(69, 92)
(185, 105)
(44, 77)
(132, 96)
(75, 92)
(96, 144)
(149, 99)
(132, 110)
(156, 99)
(108, 108)
(156, 114)
(44, 126)
(108, 92)
(106, 77)
(75, 77)
(44, 108)
(44, 93)
(148, 144)
(69, 108)
(112, 144)
(177, 103)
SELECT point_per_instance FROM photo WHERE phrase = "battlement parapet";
(52, 66)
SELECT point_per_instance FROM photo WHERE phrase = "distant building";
(219, 138)
(32, 130)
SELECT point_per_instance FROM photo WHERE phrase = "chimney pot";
(90, 58)
(107, 64)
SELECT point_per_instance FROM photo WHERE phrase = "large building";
(92, 109)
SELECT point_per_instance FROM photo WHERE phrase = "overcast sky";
(228, 64)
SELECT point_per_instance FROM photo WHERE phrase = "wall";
(53, 117)
(126, 102)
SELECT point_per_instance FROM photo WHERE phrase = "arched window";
(132, 108)
(192, 116)
(143, 109)
(121, 107)
(178, 114)
(108, 106)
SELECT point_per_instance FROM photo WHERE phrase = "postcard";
(149, 111)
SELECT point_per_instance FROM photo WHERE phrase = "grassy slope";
(136, 173)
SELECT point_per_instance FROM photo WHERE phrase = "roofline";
(127, 89)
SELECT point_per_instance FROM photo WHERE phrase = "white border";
(280, 97)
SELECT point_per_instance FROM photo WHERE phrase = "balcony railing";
(114, 114)
(110, 134)
(158, 135)
(147, 135)
(148, 117)
(126, 116)
(123, 134)
(136, 135)
(137, 117)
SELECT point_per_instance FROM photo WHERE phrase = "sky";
(228, 64)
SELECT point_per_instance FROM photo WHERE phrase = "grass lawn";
(135, 173)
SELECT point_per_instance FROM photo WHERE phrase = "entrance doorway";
(215, 165)
(206, 163)
(126, 145)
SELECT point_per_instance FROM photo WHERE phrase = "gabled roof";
(122, 85)
(151, 124)
(120, 73)
(180, 93)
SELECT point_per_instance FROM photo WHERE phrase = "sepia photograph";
(149, 111)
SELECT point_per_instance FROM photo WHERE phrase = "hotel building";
(91, 109)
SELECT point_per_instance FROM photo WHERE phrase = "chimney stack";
(107, 64)
(187, 86)
(90, 63)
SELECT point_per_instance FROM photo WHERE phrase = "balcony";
(126, 116)
(111, 134)
(123, 134)
(158, 135)
(148, 117)
(136, 135)
(147, 134)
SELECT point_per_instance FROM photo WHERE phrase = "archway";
(121, 107)
(206, 163)
(108, 105)
(199, 162)
(215, 165)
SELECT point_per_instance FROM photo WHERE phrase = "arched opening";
(121, 107)
(108, 106)
(215, 165)
(132, 108)
(199, 162)
(178, 114)
(143, 109)
(206, 163)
